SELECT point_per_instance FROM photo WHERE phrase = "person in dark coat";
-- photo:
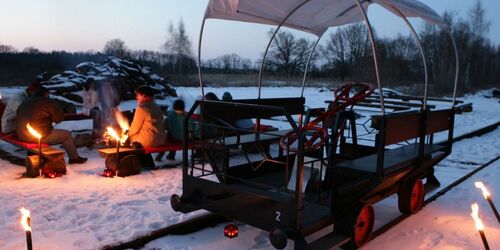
(40, 112)
(174, 124)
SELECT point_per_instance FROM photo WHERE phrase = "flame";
(475, 216)
(25, 219)
(483, 188)
(122, 120)
(33, 131)
(113, 133)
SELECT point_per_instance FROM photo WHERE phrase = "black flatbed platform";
(394, 159)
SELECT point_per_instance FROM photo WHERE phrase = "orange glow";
(122, 120)
(475, 216)
(33, 131)
(483, 188)
(25, 219)
(113, 133)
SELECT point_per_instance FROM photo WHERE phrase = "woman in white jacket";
(91, 106)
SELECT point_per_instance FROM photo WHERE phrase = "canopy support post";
(374, 50)
(424, 59)
(457, 66)
(199, 56)
(307, 65)
(259, 82)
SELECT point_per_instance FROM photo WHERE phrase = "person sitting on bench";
(243, 123)
(40, 112)
(9, 115)
(147, 126)
(174, 123)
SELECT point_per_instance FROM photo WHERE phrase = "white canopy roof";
(315, 16)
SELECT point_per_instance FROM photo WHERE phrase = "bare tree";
(116, 47)
(7, 49)
(288, 54)
(178, 47)
(346, 48)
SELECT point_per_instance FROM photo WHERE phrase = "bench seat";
(165, 148)
(12, 139)
(394, 159)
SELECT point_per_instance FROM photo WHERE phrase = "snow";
(83, 210)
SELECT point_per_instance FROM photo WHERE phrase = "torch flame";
(475, 216)
(33, 131)
(483, 188)
(122, 120)
(113, 133)
(25, 219)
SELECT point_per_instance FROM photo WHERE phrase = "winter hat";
(227, 96)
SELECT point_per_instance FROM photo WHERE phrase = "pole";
(259, 83)
(492, 205)
(40, 164)
(419, 43)
(375, 60)
(117, 156)
(307, 65)
(485, 241)
(29, 243)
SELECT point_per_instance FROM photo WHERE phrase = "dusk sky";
(82, 25)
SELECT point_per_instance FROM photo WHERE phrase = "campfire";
(120, 138)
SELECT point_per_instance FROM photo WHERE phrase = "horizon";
(143, 25)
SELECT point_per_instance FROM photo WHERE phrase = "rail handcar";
(316, 171)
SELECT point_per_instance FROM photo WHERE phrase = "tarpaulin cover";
(315, 16)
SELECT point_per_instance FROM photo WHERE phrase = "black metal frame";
(262, 200)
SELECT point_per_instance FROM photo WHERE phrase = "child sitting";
(173, 124)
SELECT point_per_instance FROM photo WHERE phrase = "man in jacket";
(40, 112)
(147, 127)
(9, 115)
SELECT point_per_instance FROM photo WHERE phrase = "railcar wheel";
(363, 226)
(278, 238)
(359, 225)
(411, 196)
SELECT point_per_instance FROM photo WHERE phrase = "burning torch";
(479, 224)
(26, 222)
(39, 137)
(487, 196)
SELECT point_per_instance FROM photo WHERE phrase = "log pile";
(125, 75)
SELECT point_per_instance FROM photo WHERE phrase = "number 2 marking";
(278, 215)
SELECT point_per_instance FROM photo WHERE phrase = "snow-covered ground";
(83, 210)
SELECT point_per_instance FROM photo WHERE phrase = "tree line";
(345, 55)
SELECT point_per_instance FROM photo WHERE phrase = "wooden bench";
(401, 127)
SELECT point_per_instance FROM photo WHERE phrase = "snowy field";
(83, 210)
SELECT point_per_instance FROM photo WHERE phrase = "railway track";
(210, 220)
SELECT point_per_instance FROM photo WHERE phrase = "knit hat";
(227, 96)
